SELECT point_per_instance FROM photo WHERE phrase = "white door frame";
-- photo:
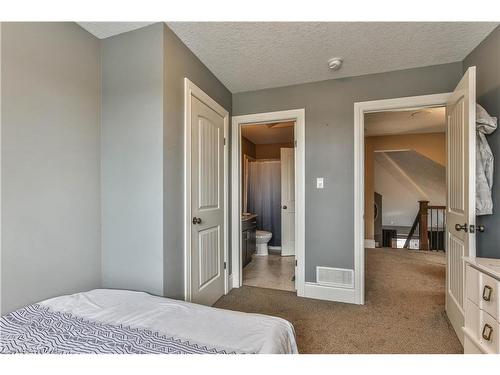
(297, 115)
(360, 108)
(190, 90)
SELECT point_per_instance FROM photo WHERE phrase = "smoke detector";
(335, 63)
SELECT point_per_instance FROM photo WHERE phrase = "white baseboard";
(346, 295)
(230, 283)
(277, 248)
(233, 282)
(370, 244)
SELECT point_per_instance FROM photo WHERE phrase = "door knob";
(196, 220)
(476, 228)
(459, 227)
(284, 207)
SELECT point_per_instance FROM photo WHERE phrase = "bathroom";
(268, 201)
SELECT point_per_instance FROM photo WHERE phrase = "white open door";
(461, 203)
(287, 202)
(207, 204)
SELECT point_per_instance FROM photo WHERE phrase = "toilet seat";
(262, 237)
(262, 234)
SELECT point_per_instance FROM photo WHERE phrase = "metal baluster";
(432, 229)
(439, 239)
(435, 232)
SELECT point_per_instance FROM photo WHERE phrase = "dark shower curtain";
(264, 197)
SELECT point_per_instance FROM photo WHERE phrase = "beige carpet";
(404, 310)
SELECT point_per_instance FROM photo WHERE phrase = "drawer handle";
(487, 290)
(487, 331)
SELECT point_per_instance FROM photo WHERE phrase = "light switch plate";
(319, 183)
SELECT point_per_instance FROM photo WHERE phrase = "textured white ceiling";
(106, 29)
(257, 55)
(429, 120)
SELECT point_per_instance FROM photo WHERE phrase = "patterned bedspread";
(37, 329)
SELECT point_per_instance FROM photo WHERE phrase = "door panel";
(287, 201)
(456, 250)
(460, 212)
(456, 156)
(209, 163)
(207, 204)
(208, 265)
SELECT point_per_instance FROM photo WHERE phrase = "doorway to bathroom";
(268, 201)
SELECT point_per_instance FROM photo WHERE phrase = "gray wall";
(143, 157)
(180, 62)
(50, 162)
(132, 160)
(486, 57)
(329, 107)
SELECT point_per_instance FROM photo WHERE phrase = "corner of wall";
(486, 58)
(179, 62)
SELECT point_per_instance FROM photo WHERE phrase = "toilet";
(262, 237)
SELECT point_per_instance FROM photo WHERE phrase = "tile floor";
(271, 271)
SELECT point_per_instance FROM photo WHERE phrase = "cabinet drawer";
(472, 277)
(489, 332)
(488, 297)
(472, 319)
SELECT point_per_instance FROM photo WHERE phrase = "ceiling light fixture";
(419, 113)
(335, 63)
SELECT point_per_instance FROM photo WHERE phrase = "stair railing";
(436, 232)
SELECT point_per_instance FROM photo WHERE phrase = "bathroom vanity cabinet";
(248, 246)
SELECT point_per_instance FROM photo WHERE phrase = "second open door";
(287, 202)
(461, 194)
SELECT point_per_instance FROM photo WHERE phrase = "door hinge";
(295, 143)
(224, 141)
(225, 265)
(296, 264)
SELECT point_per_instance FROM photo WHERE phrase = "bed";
(121, 321)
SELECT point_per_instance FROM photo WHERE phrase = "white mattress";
(235, 331)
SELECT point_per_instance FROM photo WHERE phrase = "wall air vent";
(335, 277)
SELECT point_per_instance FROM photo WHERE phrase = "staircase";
(433, 220)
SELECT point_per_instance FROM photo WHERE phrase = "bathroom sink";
(247, 216)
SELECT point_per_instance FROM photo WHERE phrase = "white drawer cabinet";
(489, 332)
(482, 306)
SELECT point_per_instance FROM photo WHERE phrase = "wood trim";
(190, 90)
(422, 225)
(246, 162)
(436, 207)
(360, 108)
(369, 243)
(329, 293)
(297, 115)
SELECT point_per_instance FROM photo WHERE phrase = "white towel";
(485, 124)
